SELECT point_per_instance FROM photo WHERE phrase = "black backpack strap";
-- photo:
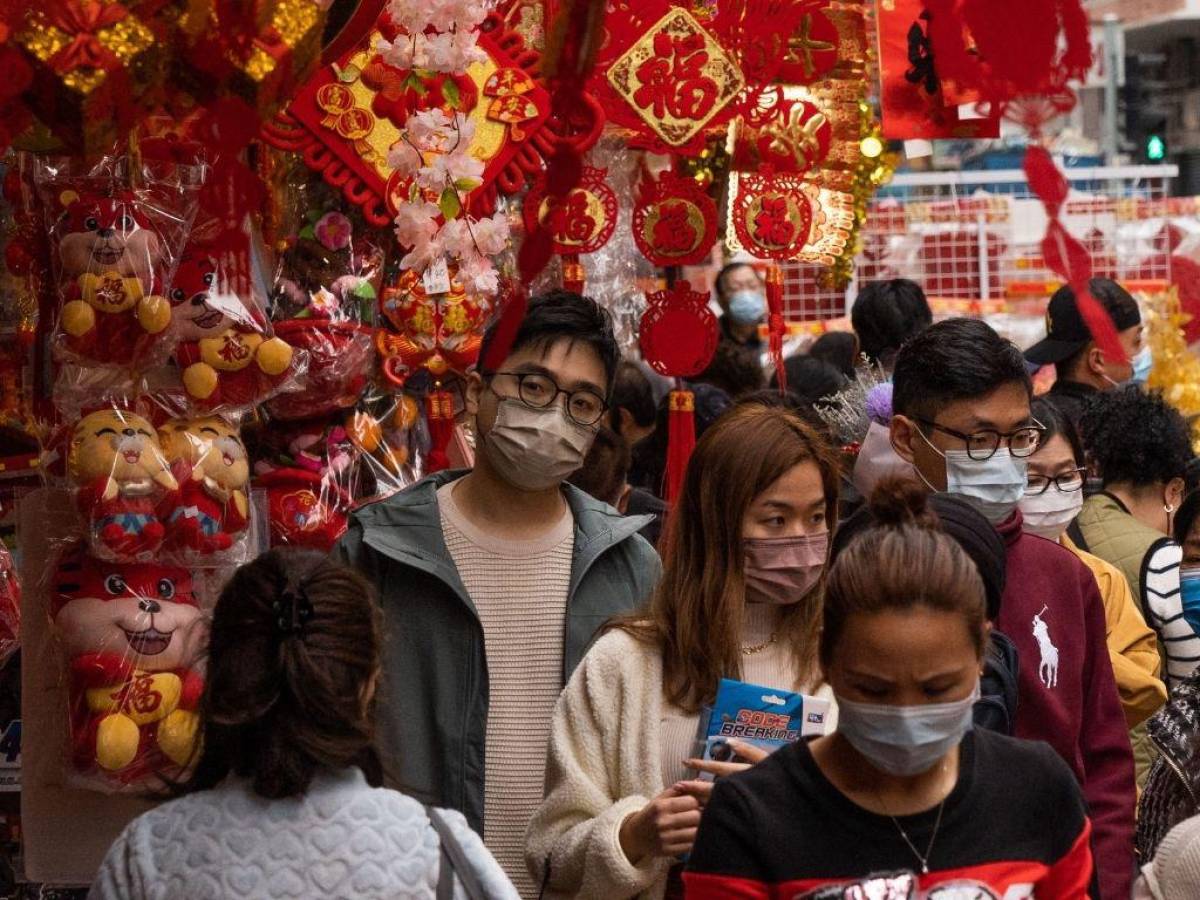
(453, 862)
(1075, 533)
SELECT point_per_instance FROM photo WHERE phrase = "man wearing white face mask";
(494, 582)
(1082, 368)
(962, 416)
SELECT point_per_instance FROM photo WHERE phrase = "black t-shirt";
(1013, 827)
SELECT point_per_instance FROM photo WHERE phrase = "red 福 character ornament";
(772, 215)
(112, 267)
(123, 483)
(209, 461)
(132, 635)
(675, 221)
(678, 337)
(579, 222)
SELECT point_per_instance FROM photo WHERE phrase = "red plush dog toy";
(228, 356)
(132, 634)
(112, 265)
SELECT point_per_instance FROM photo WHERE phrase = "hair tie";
(293, 610)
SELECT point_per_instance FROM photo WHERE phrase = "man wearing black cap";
(1081, 366)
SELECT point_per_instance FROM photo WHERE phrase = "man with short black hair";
(962, 417)
(494, 582)
(887, 313)
(1082, 370)
(633, 409)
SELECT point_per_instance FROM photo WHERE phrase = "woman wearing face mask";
(739, 598)
(1052, 500)
(904, 783)
(1142, 447)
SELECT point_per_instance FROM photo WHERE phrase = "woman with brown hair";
(285, 799)
(739, 598)
(904, 786)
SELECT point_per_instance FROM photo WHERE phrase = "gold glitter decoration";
(126, 40)
(294, 36)
(1176, 370)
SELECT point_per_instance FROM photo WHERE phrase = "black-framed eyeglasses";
(585, 407)
(983, 444)
(1067, 482)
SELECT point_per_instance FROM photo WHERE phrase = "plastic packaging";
(324, 302)
(123, 484)
(10, 608)
(132, 636)
(116, 233)
(209, 521)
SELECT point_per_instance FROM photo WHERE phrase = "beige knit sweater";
(605, 763)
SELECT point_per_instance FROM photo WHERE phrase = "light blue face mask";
(747, 307)
(1142, 364)
(1189, 592)
(905, 740)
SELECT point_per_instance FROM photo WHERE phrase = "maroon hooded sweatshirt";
(1053, 612)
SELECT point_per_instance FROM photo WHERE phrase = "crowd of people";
(493, 687)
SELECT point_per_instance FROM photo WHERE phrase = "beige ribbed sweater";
(519, 589)
(606, 761)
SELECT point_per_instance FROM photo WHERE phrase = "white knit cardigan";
(604, 744)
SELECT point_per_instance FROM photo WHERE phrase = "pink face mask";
(783, 570)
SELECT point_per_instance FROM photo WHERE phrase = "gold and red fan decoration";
(344, 120)
(669, 76)
(675, 221)
(581, 221)
(678, 336)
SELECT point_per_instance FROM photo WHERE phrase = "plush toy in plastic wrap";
(123, 483)
(324, 302)
(210, 463)
(111, 272)
(10, 607)
(229, 355)
(132, 635)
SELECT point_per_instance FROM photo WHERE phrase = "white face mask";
(992, 486)
(1048, 514)
(535, 449)
(905, 740)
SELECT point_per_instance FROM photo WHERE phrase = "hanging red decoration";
(772, 215)
(678, 337)
(580, 221)
(678, 334)
(811, 51)
(675, 221)
(789, 136)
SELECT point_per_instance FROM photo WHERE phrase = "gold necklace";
(754, 649)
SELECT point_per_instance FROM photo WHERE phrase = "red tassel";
(776, 327)
(1065, 255)
(681, 441)
(439, 410)
(572, 274)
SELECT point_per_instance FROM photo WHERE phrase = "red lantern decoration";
(772, 215)
(675, 222)
(581, 221)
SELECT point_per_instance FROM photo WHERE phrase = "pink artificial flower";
(333, 230)
(478, 274)
(491, 233)
(416, 223)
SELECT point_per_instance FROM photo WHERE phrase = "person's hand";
(743, 751)
(666, 826)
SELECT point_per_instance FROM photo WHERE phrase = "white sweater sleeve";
(1164, 603)
(576, 830)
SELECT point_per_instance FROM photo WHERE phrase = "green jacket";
(1110, 532)
(433, 701)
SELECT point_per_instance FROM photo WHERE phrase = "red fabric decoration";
(1067, 257)
(789, 137)
(582, 221)
(675, 222)
(681, 441)
(772, 215)
(776, 326)
(678, 334)
(439, 411)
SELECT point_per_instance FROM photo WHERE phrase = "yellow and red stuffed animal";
(209, 461)
(112, 266)
(132, 636)
(122, 481)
